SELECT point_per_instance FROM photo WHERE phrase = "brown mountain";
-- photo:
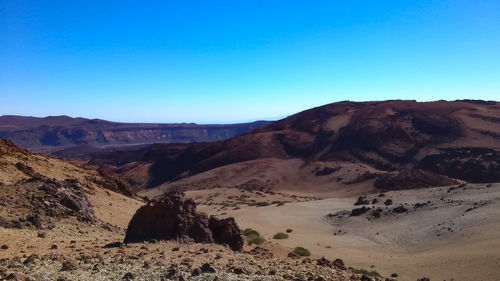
(334, 146)
(80, 136)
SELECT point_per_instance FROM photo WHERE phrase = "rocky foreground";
(179, 243)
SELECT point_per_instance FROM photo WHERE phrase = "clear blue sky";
(225, 61)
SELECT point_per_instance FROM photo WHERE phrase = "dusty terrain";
(393, 188)
(447, 233)
(77, 236)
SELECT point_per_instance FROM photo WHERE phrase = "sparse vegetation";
(280, 235)
(366, 272)
(259, 204)
(303, 252)
(249, 231)
(253, 237)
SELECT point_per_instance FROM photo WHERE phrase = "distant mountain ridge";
(394, 143)
(55, 133)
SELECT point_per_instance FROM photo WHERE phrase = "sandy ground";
(442, 240)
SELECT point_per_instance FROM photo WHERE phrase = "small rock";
(207, 268)
(128, 276)
(423, 279)
(31, 260)
(338, 263)
(53, 247)
(366, 278)
(4, 247)
(171, 273)
(197, 271)
(113, 245)
(41, 234)
(69, 265)
(238, 270)
(394, 275)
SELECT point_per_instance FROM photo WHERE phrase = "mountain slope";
(385, 137)
(62, 132)
(38, 190)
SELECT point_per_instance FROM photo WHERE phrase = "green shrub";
(289, 230)
(303, 252)
(249, 231)
(252, 236)
(366, 272)
(280, 235)
(255, 239)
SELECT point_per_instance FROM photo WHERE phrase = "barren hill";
(79, 136)
(345, 143)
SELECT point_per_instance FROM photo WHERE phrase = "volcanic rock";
(174, 217)
(359, 211)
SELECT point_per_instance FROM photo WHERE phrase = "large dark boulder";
(226, 231)
(175, 218)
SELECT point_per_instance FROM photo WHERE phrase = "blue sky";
(229, 61)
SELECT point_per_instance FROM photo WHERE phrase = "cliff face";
(62, 132)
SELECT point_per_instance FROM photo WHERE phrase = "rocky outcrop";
(44, 201)
(411, 178)
(174, 217)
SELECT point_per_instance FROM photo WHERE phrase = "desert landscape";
(290, 204)
(250, 140)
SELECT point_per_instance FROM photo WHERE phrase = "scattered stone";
(388, 202)
(365, 278)
(261, 252)
(239, 270)
(207, 268)
(113, 245)
(69, 265)
(31, 260)
(358, 211)
(128, 276)
(170, 273)
(399, 210)
(197, 271)
(377, 213)
(361, 201)
(423, 279)
(338, 263)
(324, 262)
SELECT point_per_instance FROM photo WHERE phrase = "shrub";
(254, 239)
(249, 231)
(303, 252)
(365, 272)
(280, 235)
(289, 230)
(252, 236)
